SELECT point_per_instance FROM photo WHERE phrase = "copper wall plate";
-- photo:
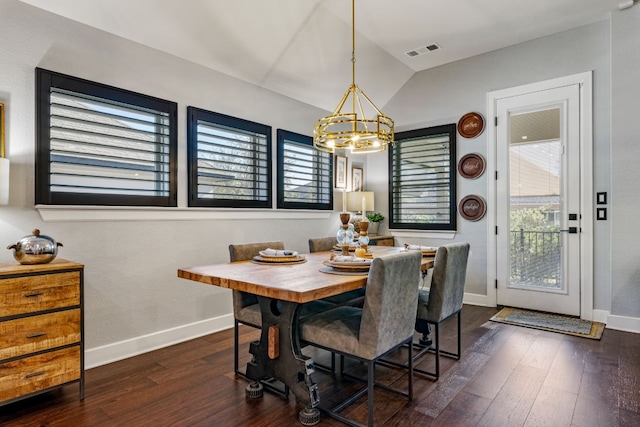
(471, 125)
(471, 166)
(472, 207)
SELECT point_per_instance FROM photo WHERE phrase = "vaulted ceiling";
(302, 48)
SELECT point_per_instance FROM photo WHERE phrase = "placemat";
(330, 270)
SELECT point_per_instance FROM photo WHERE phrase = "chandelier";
(352, 130)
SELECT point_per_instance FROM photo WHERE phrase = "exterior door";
(538, 207)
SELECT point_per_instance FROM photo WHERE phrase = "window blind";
(103, 147)
(230, 161)
(304, 173)
(422, 180)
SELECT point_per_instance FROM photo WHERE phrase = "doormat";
(550, 322)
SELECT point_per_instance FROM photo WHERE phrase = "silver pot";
(35, 249)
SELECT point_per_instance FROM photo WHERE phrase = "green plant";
(375, 217)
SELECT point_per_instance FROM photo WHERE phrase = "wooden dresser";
(41, 328)
(381, 241)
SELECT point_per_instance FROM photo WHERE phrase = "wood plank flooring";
(508, 376)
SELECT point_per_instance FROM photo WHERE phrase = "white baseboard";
(109, 353)
(620, 323)
(475, 299)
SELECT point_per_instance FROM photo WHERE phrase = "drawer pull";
(33, 294)
(35, 374)
(36, 334)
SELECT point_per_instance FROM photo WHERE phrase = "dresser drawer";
(20, 337)
(40, 372)
(28, 294)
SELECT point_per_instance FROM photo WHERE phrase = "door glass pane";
(535, 171)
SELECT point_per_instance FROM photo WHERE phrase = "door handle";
(571, 230)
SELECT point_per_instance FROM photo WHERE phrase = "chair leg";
(437, 336)
(235, 348)
(410, 363)
(370, 387)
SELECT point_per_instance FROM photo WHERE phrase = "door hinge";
(496, 283)
(496, 175)
(496, 229)
(496, 121)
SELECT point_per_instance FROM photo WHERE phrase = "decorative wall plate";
(471, 125)
(472, 207)
(471, 166)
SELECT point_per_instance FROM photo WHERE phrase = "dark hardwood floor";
(508, 376)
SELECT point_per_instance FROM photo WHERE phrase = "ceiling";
(302, 48)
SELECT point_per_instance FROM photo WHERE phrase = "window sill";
(111, 213)
(427, 234)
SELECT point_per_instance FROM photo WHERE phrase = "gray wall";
(625, 171)
(131, 286)
(132, 289)
(442, 95)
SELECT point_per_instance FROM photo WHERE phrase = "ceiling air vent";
(422, 50)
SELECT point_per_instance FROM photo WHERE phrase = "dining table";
(281, 289)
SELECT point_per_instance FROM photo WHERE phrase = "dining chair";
(246, 309)
(322, 244)
(385, 323)
(441, 301)
(355, 297)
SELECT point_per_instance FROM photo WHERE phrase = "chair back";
(322, 244)
(388, 314)
(242, 253)
(249, 250)
(447, 283)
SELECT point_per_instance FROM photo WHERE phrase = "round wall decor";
(471, 166)
(472, 207)
(471, 125)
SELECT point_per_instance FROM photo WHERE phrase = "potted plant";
(375, 218)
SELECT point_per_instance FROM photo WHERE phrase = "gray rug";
(550, 322)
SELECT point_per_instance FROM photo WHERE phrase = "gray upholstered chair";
(246, 309)
(356, 297)
(442, 300)
(384, 323)
(322, 244)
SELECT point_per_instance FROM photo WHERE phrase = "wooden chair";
(384, 323)
(441, 301)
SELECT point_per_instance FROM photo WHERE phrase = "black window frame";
(45, 80)
(284, 136)
(411, 135)
(195, 114)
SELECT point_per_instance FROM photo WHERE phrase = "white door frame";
(586, 188)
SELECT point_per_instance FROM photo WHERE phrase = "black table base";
(285, 362)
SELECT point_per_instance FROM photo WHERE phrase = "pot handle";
(58, 244)
(12, 246)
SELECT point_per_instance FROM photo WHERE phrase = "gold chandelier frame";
(352, 130)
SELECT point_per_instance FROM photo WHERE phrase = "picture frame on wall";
(357, 179)
(340, 168)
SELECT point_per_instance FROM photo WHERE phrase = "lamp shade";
(354, 201)
(4, 181)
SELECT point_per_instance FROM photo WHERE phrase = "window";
(422, 182)
(229, 161)
(304, 173)
(101, 145)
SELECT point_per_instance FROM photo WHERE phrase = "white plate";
(358, 262)
(278, 254)
(422, 248)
